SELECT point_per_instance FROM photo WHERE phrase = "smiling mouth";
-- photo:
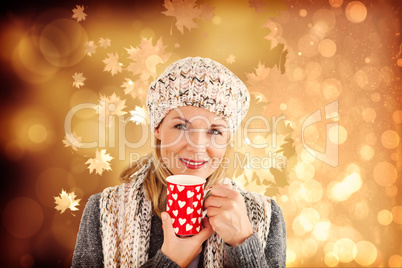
(192, 164)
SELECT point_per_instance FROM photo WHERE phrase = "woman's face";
(193, 141)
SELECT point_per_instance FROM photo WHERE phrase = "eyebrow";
(188, 122)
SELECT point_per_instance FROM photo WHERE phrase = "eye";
(181, 126)
(215, 132)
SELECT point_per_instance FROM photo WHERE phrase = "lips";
(192, 164)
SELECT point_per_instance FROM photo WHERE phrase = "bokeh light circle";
(28, 62)
(61, 42)
(324, 21)
(337, 134)
(336, 3)
(303, 13)
(331, 259)
(368, 78)
(23, 217)
(397, 116)
(366, 152)
(345, 249)
(369, 115)
(395, 261)
(390, 139)
(308, 45)
(305, 171)
(384, 217)
(384, 174)
(327, 48)
(331, 89)
(356, 12)
(366, 253)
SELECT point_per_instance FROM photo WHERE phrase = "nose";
(197, 140)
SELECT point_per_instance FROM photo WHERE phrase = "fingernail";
(164, 216)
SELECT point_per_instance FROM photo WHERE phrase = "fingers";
(221, 190)
(167, 225)
(206, 231)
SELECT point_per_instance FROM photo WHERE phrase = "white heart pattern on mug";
(173, 220)
(199, 211)
(193, 220)
(198, 228)
(171, 187)
(195, 203)
(189, 227)
(182, 221)
(198, 188)
(189, 210)
(198, 196)
(176, 230)
(175, 212)
(182, 203)
(170, 202)
(174, 196)
(180, 188)
(190, 194)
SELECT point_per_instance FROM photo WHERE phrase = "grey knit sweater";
(88, 249)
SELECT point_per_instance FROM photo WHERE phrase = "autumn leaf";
(66, 201)
(231, 59)
(260, 78)
(78, 13)
(78, 80)
(146, 57)
(104, 42)
(109, 106)
(100, 162)
(137, 89)
(90, 48)
(128, 86)
(72, 140)
(112, 64)
(138, 115)
(207, 12)
(185, 12)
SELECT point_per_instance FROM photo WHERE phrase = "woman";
(195, 107)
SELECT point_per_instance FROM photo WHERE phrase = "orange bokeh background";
(296, 57)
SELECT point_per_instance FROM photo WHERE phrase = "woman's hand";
(183, 250)
(227, 214)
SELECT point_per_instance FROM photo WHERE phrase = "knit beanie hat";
(199, 82)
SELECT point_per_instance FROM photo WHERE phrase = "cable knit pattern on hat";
(199, 82)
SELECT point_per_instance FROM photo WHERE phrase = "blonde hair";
(155, 182)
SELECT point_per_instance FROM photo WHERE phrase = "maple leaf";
(128, 86)
(72, 140)
(78, 80)
(146, 57)
(231, 59)
(104, 42)
(207, 12)
(90, 48)
(78, 13)
(100, 162)
(185, 11)
(109, 106)
(260, 79)
(66, 201)
(112, 64)
(140, 86)
(258, 5)
(138, 115)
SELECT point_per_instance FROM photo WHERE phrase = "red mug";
(184, 203)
